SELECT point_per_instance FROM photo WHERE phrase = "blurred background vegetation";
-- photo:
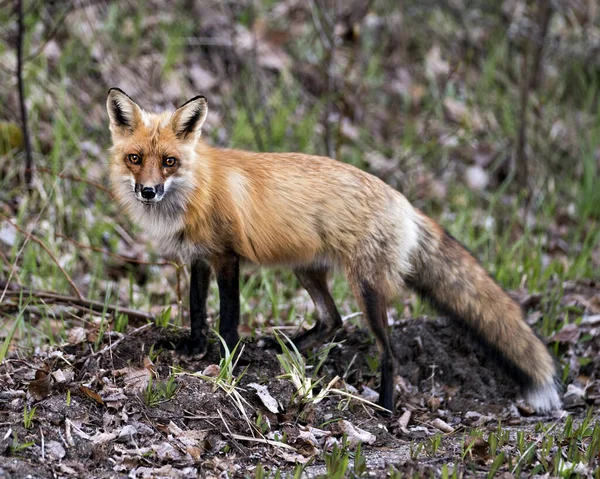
(483, 113)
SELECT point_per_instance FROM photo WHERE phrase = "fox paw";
(270, 343)
(189, 346)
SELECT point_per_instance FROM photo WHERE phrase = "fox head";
(151, 152)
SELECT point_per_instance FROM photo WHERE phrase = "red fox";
(216, 207)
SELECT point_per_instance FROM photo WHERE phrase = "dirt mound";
(435, 357)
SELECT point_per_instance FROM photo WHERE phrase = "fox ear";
(188, 119)
(123, 112)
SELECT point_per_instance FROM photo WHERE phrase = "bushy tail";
(445, 273)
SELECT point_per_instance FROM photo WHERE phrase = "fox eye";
(134, 159)
(170, 161)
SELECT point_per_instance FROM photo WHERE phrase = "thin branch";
(23, 107)
(118, 256)
(125, 336)
(75, 302)
(329, 44)
(539, 40)
(12, 267)
(74, 178)
(178, 267)
(51, 35)
(47, 250)
(520, 158)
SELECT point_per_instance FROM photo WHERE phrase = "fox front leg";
(197, 342)
(227, 269)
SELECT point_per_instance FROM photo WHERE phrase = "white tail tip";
(544, 398)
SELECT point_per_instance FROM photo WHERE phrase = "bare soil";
(92, 415)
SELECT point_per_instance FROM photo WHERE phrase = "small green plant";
(372, 363)
(9, 337)
(153, 354)
(227, 381)
(360, 462)
(295, 369)
(162, 320)
(262, 425)
(28, 416)
(121, 323)
(336, 462)
(16, 447)
(433, 444)
(159, 392)
(415, 449)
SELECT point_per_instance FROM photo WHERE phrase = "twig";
(47, 250)
(127, 259)
(544, 15)
(79, 303)
(52, 34)
(125, 336)
(118, 256)
(328, 41)
(43, 444)
(520, 153)
(67, 176)
(12, 267)
(262, 441)
(23, 107)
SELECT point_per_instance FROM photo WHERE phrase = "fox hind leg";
(374, 306)
(314, 280)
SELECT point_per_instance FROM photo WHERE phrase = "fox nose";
(148, 193)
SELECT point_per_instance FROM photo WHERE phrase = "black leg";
(227, 269)
(328, 318)
(374, 307)
(197, 343)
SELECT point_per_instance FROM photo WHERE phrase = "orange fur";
(316, 213)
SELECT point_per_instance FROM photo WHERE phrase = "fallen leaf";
(126, 433)
(265, 396)
(591, 320)
(103, 437)
(62, 376)
(166, 452)
(434, 64)
(404, 420)
(476, 178)
(568, 334)
(354, 433)
(93, 395)
(55, 450)
(135, 379)
(442, 425)
(40, 387)
(212, 370)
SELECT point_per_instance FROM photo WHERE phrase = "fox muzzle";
(149, 194)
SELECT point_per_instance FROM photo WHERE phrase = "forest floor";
(429, 97)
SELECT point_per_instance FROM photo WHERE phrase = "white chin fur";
(544, 398)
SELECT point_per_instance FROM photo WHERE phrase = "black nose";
(148, 193)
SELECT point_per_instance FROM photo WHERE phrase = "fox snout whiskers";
(149, 194)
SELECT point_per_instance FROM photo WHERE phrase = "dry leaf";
(55, 450)
(354, 433)
(103, 437)
(212, 370)
(442, 425)
(40, 387)
(568, 334)
(263, 393)
(93, 395)
(404, 420)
